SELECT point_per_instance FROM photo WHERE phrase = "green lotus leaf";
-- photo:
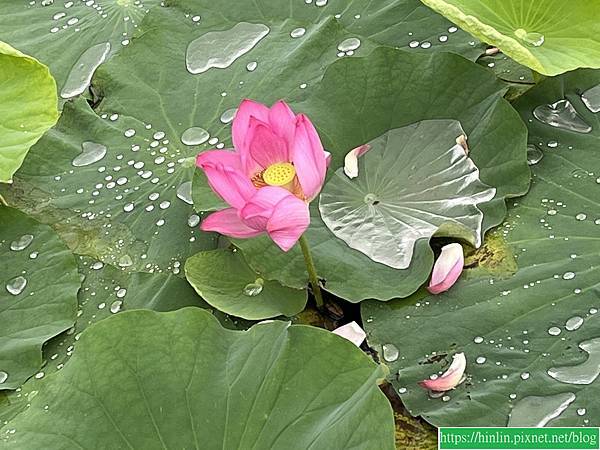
(222, 277)
(530, 331)
(105, 291)
(549, 36)
(72, 37)
(38, 296)
(179, 380)
(412, 183)
(113, 193)
(389, 81)
(27, 107)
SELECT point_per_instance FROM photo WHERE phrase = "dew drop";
(251, 66)
(22, 243)
(390, 352)
(536, 411)
(121, 293)
(253, 289)
(573, 323)
(115, 306)
(193, 220)
(90, 154)
(81, 74)
(349, 44)
(554, 331)
(125, 261)
(531, 38)
(568, 275)
(584, 373)
(184, 192)
(591, 98)
(16, 285)
(298, 32)
(478, 340)
(581, 411)
(194, 136)
(481, 359)
(219, 49)
(3, 376)
(534, 155)
(228, 115)
(561, 114)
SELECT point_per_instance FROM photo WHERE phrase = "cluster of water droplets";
(144, 175)
(442, 39)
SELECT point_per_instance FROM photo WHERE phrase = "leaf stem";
(312, 271)
(3, 202)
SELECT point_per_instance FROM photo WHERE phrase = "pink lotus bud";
(450, 378)
(447, 268)
(351, 331)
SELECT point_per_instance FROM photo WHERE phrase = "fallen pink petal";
(352, 332)
(447, 268)
(450, 378)
(277, 167)
(351, 160)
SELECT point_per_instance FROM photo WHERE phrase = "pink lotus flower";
(277, 167)
(447, 268)
(450, 378)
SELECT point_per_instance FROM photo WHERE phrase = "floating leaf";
(152, 376)
(549, 36)
(531, 338)
(37, 296)
(414, 182)
(114, 189)
(27, 107)
(106, 291)
(222, 277)
(362, 98)
(71, 37)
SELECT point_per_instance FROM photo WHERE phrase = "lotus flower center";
(279, 174)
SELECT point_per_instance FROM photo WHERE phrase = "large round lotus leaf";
(179, 380)
(413, 182)
(550, 36)
(27, 107)
(531, 338)
(388, 82)
(38, 294)
(71, 37)
(106, 291)
(222, 277)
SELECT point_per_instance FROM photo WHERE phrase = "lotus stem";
(312, 271)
